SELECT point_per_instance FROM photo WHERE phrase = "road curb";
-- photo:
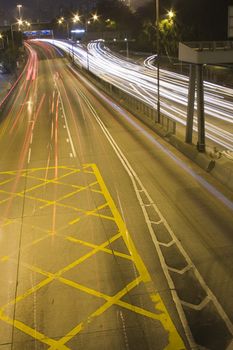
(230, 347)
(190, 151)
(221, 169)
(223, 172)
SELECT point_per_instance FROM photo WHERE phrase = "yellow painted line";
(12, 172)
(33, 333)
(161, 313)
(93, 212)
(74, 171)
(84, 289)
(102, 216)
(79, 189)
(32, 170)
(86, 256)
(22, 193)
(5, 258)
(74, 221)
(106, 250)
(113, 300)
(11, 195)
(38, 270)
(122, 228)
(175, 341)
(27, 293)
(26, 246)
(6, 181)
(8, 222)
(98, 312)
(47, 181)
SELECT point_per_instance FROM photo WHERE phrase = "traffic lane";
(15, 123)
(33, 244)
(100, 152)
(190, 209)
(212, 216)
(94, 147)
(169, 175)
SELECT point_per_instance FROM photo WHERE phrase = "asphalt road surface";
(109, 238)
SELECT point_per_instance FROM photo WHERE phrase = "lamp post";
(2, 40)
(127, 47)
(19, 9)
(93, 18)
(158, 59)
(63, 20)
(19, 23)
(87, 21)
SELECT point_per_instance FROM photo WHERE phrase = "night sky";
(207, 15)
(41, 8)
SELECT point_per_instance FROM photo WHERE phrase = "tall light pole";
(158, 59)
(19, 22)
(63, 20)
(2, 40)
(19, 9)
(127, 47)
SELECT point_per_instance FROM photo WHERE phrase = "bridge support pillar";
(191, 98)
(200, 109)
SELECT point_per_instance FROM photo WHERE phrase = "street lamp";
(19, 9)
(127, 47)
(95, 17)
(61, 21)
(171, 14)
(2, 40)
(76, 18)
(19, 23)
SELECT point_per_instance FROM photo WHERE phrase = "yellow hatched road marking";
(175, 341)
(22, 193)
(161, 313)
(111, 301)
(78, 190)
(106, 250)
(33, 332)
(122, 228)
(88, 255)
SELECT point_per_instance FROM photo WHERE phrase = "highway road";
(109, 238)
(141, 82)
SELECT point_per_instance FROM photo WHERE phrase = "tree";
(144, 29)
(169, 35)
(11, 53)
(114, 14)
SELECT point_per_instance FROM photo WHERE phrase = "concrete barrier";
(190, 151)
(223, 172)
